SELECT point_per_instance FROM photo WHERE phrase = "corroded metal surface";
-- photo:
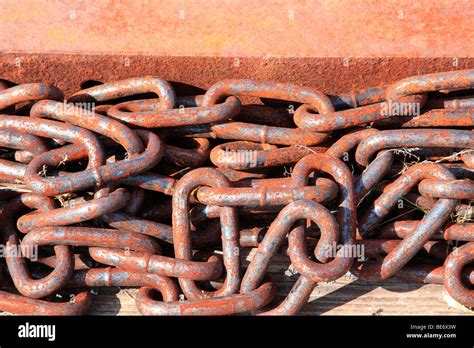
(323, 29)
(130, 183)
(197, 73)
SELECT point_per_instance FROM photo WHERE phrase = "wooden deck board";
(346, 296)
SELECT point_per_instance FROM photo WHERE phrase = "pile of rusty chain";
(115, 187)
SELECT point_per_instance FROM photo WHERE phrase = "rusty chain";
(171, 194)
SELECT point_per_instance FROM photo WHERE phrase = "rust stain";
(240, 28)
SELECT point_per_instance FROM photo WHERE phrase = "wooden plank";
(346, 296)
(343, 297)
